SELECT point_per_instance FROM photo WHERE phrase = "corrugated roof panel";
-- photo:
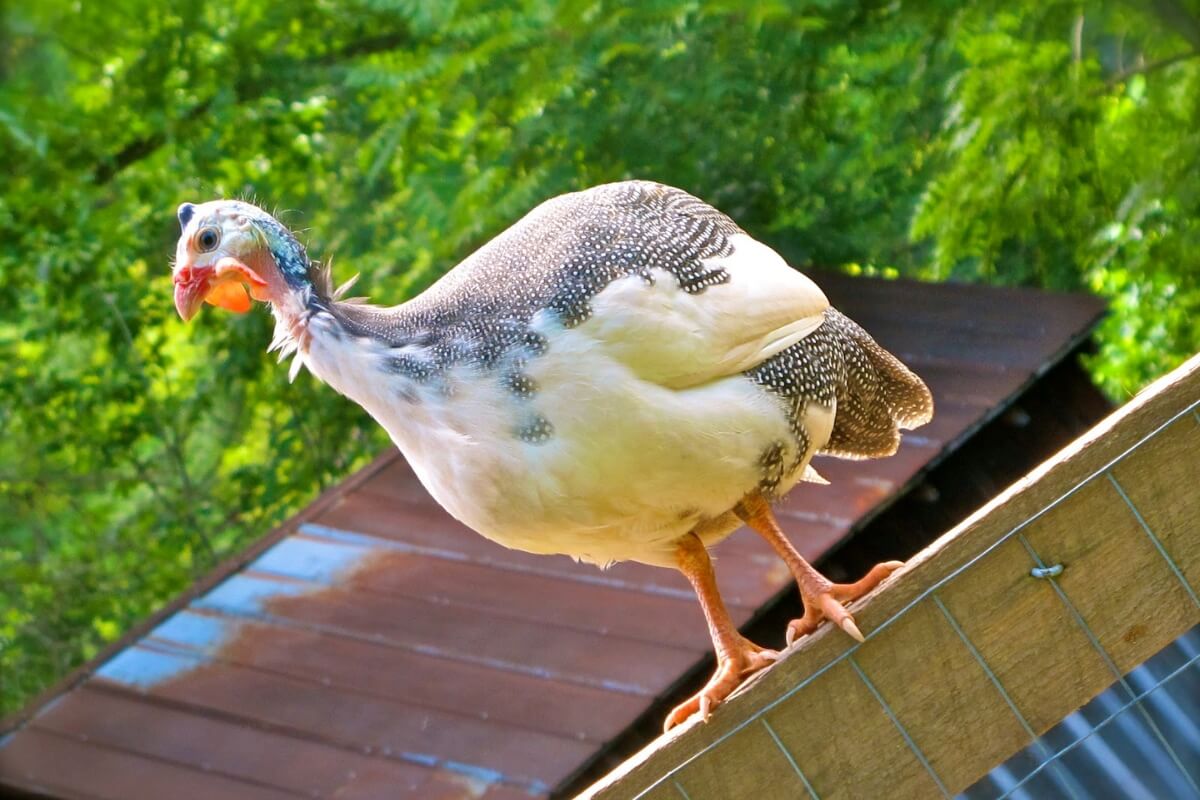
(375, 647)
(1145, 744)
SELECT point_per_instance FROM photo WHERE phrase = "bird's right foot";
(826, 600)
(732, 668)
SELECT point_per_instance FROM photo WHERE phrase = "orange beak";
(229, 284)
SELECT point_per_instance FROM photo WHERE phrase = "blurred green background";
(1044, 144)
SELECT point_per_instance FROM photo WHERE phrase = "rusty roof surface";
(374, 647)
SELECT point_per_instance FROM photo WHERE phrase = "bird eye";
(207, 239)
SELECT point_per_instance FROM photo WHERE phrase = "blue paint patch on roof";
(181, 642)
(312, 560)
(623, 687)
(420, 758)
(366, 540)
(144, 669)
(597, 579)
(474, 772)
(6, 738)
(195, 631)
(537, 787)
(481, 776)
(246, 594)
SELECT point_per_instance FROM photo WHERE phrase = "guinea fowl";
(624, 374)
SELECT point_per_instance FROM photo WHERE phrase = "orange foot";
(733, 667)
(826, 600)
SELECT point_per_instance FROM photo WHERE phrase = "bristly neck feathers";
(310, 293)
(307, 294)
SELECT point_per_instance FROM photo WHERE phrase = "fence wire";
(1175, 756)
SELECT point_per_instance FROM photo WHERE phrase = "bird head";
(230, 252)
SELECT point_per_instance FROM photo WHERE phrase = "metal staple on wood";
(1108, 662)
(928, 592)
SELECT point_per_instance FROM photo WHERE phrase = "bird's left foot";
(732, 668)
(824, 599)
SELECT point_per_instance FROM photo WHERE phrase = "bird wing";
(676, 338)
(658, 279)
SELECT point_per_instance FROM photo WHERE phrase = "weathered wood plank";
(824, 727)
(1162, 482)
(955, 719)
(747, 765)
(1114, 579)
(1030, 496)
(666, 791)
(1026, 637)
(1112, 574)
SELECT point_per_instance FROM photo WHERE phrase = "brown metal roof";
(374, 647)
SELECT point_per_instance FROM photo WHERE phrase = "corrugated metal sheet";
(374, 647)
(1139, 739)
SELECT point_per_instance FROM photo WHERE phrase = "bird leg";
(737, 656)
(822, 598)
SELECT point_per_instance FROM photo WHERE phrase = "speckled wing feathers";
(559, 256)
(640, 250)
(669, 286)
(875, 395)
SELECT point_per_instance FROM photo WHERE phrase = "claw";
(849, 627)
(822, 598)
(732, 669)
(681, 713)
(828, 604)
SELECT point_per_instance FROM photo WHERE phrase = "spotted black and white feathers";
(556, 260)
(877, 396)
(840, 366)
(567, 251)
(620, 367)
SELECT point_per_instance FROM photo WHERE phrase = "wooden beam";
(969, 656)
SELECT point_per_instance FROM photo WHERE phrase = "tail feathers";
(877, 397)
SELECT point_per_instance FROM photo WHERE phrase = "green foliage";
(981, 143)
(1069, 160)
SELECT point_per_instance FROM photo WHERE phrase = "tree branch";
(142, 148)
(365, 47)
(1153, 66)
